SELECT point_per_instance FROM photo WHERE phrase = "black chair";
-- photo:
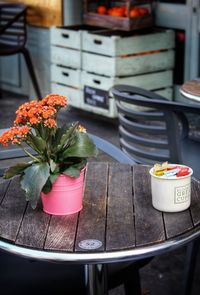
(13, 36)
(153, 129)
(159, 133)
(126, 273)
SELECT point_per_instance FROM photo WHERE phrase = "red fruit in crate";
(101, 9)
(134, 12)
(123, 9)
(116, 11)
(120, 10)
(109, 11)
(143, 11)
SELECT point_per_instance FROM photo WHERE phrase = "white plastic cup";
(171, 194)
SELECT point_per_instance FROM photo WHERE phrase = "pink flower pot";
(66, 195)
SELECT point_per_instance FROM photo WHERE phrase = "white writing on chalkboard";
(96, 97)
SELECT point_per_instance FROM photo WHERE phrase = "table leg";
(96, 279)
(190, 263)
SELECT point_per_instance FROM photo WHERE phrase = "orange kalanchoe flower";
(54, 100)
(34, 113)
(15, 135)
(50, 123)
(48, 112)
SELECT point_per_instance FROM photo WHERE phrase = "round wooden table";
(117, 223)
(191, 90)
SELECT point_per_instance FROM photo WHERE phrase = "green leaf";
(33, 180)
(50, 181)
(53, 177)
(47, 187)
(74, 170)
(82, 147)
(58, 135)
(67, 136)
(37, 143)
(17, 169)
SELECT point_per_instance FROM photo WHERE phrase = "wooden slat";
(3, 188)
(34, 228)
(11, 211)
(148, 221)
(195, 201)
(92, 218)
(180, 222)
(177, 223)
(61, 233)
(120, 233)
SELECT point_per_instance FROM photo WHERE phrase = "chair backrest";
(111, 150)
(12, 24)
(151, 135)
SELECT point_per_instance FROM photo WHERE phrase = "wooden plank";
(129, 66)
(177, 223)
(61, 233)
(34, 228)
(66, 57)
(120, 233)
(195, 201)
(3, 188)
(180, 222)
(148, 221)
(11, 210)
(92, 220)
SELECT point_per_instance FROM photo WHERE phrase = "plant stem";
(29, 154)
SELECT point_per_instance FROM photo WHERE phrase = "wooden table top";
(191, 89)
(117, 216)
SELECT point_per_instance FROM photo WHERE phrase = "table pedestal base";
(96, 279)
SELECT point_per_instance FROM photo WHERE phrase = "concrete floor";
(164, 275)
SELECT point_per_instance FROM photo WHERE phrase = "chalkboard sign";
(96, 97)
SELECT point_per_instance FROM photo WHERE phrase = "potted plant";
(62, 152)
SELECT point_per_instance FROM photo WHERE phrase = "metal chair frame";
(13, 36)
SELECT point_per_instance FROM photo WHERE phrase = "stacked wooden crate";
(66, 63)
(86, 64)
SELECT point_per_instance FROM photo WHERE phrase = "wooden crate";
(66, 76)
(66, 45)
(70, 36)
(66, 57)
(123, 21)
(85, 65)
(150, 81)
(117, 43)
(127, 66)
